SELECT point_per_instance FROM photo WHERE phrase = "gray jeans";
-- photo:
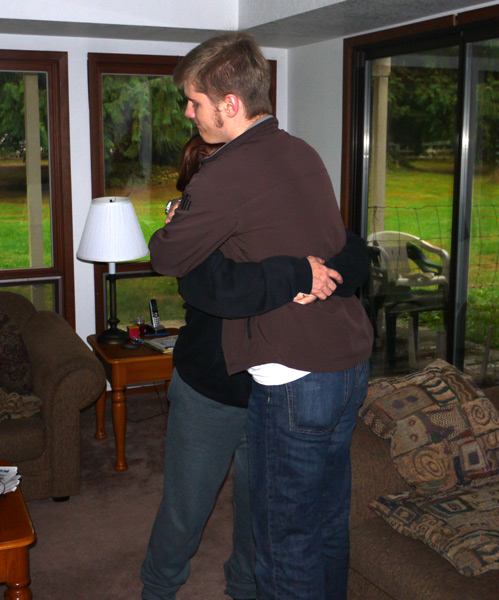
(202, 438)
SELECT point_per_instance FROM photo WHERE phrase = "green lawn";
(417, 201)
(133, 297)
(133, 294)
(14, 241)
(149, 202)
(420, 202)
(420, 205)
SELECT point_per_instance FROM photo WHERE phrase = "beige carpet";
(92, 547)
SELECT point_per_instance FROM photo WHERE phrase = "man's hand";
(324, 279)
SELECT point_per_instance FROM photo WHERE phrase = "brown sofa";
(46, 447)
(385, 564)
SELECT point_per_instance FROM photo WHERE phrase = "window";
(137, 130)
(35, 207)
(420, 179)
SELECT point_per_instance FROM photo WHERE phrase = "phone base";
(150, 329)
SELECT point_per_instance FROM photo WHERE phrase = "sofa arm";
(58, 356)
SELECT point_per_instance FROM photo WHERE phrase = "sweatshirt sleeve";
(231, 290)
(195, 231)
(352, 263)
(224, 288)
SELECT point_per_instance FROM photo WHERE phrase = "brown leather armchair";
(46, 447)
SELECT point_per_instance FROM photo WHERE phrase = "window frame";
(61, 273)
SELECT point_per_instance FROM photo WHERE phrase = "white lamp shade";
(112, 232)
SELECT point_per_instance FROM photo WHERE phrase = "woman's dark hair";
(190, 159)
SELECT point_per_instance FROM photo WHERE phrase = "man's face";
(208, 117)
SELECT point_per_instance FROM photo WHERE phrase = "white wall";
(78, 49)
(315, 77)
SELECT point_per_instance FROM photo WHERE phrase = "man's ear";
(232, 105)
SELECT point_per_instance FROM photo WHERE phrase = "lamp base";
(113, 336)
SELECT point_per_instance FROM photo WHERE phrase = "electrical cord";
(164, 409)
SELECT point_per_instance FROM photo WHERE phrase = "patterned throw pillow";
(461, 525)
(443, 430)
(15, 406)
(15, 368)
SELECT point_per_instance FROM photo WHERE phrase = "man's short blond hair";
(229, 64)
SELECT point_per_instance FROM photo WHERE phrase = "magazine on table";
(163, 344)
(9, 479)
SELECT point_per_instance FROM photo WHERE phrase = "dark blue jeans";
(299, 438)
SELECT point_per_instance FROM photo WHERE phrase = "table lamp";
(112, 234)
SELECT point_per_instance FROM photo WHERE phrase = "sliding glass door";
(408, 199)
(427, 193)
(478, 279)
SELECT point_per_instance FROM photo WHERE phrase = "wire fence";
(433, 223)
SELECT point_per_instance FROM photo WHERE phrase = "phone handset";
(153, 309)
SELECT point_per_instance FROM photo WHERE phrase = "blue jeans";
(299, 440)
(202, 438)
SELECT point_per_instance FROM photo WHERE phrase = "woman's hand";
(303, 298)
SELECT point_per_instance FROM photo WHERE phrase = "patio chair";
(405, 280)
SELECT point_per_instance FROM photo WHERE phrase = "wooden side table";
(16, 535)
(126, 367)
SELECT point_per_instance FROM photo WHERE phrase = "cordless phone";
(153, 309)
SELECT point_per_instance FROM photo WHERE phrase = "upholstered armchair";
(44, 441)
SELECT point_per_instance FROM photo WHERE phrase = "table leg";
(17, 581)
(119, 425)
(100, 409)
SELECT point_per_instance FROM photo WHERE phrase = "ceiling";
(339, 20)
(352, 17)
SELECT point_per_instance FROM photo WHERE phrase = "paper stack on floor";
(9, 479)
